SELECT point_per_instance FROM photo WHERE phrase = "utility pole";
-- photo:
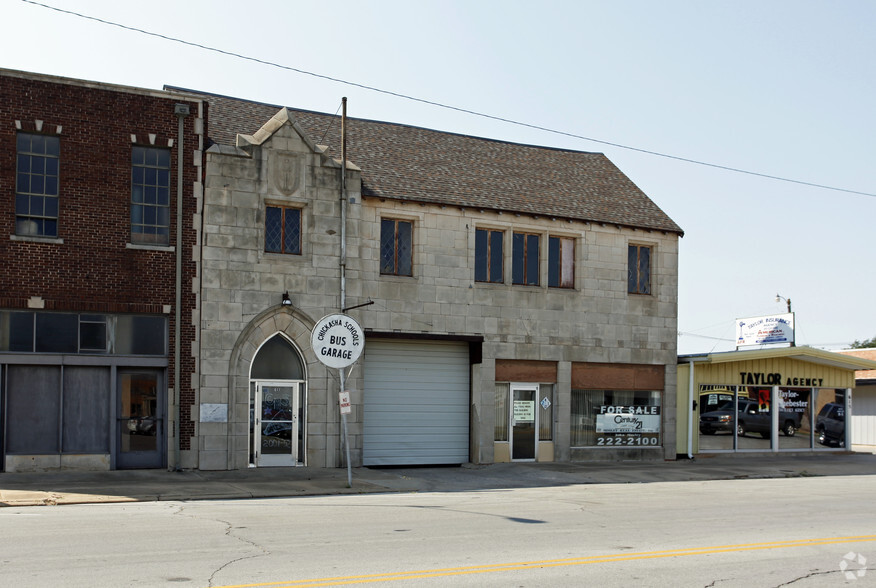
(343, 264)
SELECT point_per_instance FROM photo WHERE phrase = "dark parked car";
(749, 419)
(830, 425)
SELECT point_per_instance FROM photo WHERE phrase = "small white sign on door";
(524, 411)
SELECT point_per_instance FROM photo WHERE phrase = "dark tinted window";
(57, 333)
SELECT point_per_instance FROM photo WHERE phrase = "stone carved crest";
(286, 172)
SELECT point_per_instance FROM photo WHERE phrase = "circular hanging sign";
(337, 340)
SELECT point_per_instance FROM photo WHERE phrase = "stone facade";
(595, 322)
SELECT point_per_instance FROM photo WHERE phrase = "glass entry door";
(277, 424)
(140, 436)
(524, 421)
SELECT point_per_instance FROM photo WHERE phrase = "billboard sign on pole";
(765, 330)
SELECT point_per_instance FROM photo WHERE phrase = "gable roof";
(414, 164)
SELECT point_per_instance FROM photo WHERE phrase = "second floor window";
(489, 256)
(561, 262)
(524, 268)
(150, 196)
(396, 247)
(36, 185)
(283, 230)
(639, 269)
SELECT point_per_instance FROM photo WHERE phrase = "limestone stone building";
(518, 302)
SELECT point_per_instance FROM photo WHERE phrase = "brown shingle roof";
(416, 164)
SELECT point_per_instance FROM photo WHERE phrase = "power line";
(454, 108)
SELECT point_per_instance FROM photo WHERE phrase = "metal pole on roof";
(343, 264)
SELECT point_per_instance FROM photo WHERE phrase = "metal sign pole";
(346, 437)
(338, 341)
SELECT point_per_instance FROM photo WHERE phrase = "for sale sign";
(628, 419)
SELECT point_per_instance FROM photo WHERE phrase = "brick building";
(97, 345)
(518, 302)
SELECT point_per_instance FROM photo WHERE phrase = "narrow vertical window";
(150, 196)
(36, 185)
(561, 262)
(524, 252)
(639, 269)
(283, 230)
(396, 247)
(489, 256)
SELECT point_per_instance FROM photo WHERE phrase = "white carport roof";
(805, 354)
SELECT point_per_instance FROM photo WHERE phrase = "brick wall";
(89, 267)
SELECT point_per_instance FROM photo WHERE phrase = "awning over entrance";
(803, 354)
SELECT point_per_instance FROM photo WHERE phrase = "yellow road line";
(575, 561)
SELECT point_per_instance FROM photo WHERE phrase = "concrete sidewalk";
(71, 487)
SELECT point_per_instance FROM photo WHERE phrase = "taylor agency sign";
(337, 340)
(765, 330)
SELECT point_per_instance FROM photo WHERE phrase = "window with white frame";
(36, 185)
(150, 195)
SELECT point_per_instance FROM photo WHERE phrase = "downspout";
(690, 403)
(181, 111)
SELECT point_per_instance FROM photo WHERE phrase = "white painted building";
(864, 401)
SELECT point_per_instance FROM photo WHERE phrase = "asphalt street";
(73, 487)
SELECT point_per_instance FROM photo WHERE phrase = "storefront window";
(742, 418)
(55, 332)
(735, 417)
(795, 418)
(830, 419)
(615, 418)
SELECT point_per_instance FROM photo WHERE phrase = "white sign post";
(338, 341)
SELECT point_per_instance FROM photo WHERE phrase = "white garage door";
(864, 416)
(416, 403)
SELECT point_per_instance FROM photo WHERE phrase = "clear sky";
(783, 88)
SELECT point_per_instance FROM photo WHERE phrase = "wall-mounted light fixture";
(286, 301)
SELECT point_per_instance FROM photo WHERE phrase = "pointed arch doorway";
(277, 405)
